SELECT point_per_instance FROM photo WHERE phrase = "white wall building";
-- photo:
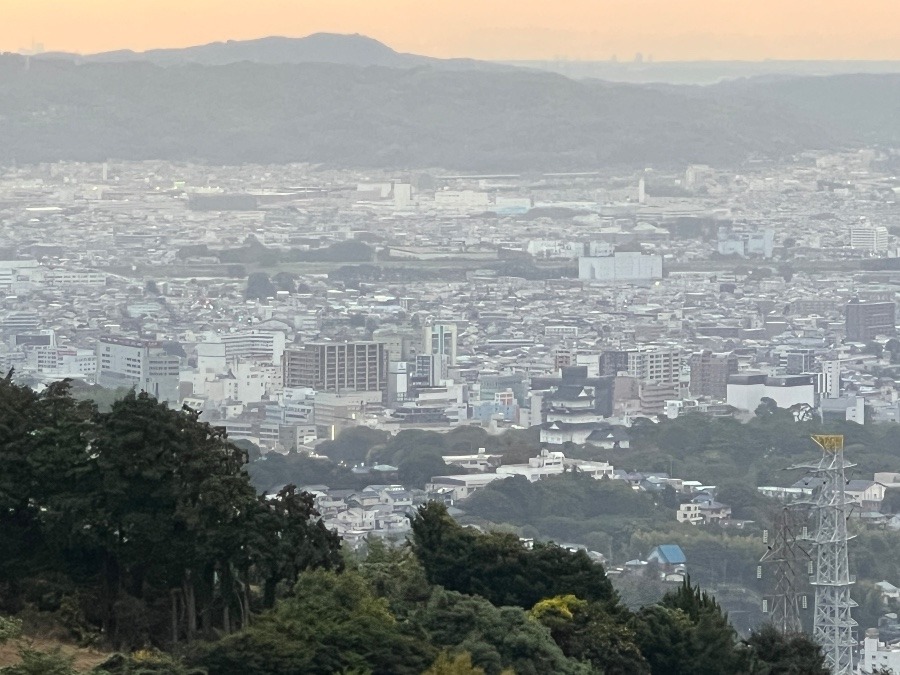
(260, 344)
(620, 266)
(878, 655)
(440, 338)
(138, 364)
(869, 238)
(745, 392)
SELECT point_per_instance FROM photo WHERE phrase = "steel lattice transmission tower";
(833, 625)
(788, 560)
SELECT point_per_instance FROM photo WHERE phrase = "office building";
(337, 366)
(878, 656)
(870, 239)
(865, 320)
(745, 244)
(141, 365)
(709, 373)
(746, 391)
(797, 361)
(655, 364)
(440, 338)
(831, 379)
(267, 345)
(620, 266)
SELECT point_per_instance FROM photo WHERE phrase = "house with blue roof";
(669, 557)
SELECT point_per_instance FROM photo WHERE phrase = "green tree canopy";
(777, 653)
(332, 623)
(499, 567)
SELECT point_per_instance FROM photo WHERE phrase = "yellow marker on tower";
(829, 443)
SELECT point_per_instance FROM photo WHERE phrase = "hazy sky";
(486, 29)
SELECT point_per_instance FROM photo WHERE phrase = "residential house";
(867, 493)
(689, 512)
(669, 557)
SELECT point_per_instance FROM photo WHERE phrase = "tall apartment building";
(255, 344)
(797, 361)
(709, 373)
(440, 338)
(337, 366)
(141, 365)
(20, 322)
(865, 320)
(869, 238)
(400, 345)
(613, 362)
(655, 364)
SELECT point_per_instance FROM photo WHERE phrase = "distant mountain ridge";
(342, 115)
(349, 50)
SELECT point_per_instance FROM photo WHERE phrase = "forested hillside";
(137, 530)
(346, 116)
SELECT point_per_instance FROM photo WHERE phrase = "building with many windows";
(337, 366)
(709, 373)
(141, 365)
(871, 239)
(255, 344)
(655, 364)
(865, 320)
(440, 339)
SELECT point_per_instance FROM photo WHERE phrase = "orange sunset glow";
(485, 29)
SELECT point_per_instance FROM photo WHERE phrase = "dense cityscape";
(295, 415)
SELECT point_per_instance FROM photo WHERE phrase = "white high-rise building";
(869, 238)
(141, 365)
(656, 364)
(831, 379)
(211, 357)
(440, 338)
(255, 344)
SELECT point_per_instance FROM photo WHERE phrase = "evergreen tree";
(688, 633)
(332, 623)
(777, 653)
(498, 567)
(587, 632)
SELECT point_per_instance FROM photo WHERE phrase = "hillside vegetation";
(341, 115)
(137, 530)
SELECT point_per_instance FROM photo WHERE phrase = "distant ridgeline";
(465, 115)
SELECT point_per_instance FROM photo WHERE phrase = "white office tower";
(831, 379)
(869, 238)
(211, 357)
(440, 339)
(398, 381)
(141, 365)
(403, 195)
(267, 345)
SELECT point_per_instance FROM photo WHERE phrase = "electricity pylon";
(833, 624)
(788, 560)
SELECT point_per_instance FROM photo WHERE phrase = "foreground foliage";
(139, 526)
(138, 529)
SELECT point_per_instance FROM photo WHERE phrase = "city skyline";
(500, 30)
